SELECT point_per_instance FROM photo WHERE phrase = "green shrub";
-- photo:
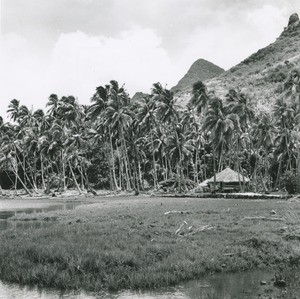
(291, 182)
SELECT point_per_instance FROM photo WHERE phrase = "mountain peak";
(261, 76)
(200, 70)
(293, 20)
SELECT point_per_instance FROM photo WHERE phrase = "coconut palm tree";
(221, 127)
(262, 134)
(180, 150)
(147, 123)
(200, 99)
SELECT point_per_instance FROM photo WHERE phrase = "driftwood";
(177, 212)
(264, 218)
(185, 230)
(180, 227)
(200, 229)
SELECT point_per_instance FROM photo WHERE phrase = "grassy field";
(147, 242)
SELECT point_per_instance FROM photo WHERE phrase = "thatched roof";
(228, 176)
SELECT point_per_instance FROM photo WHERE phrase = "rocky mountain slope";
(261, 75)
(200, 70)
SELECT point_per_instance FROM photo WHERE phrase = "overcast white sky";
(69, 47)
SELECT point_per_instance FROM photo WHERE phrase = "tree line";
(121, 144)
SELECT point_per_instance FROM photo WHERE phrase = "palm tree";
(147, 123)
(112, 105)
(195, 134)
(180, 149)
(97, 113)
(200, 98)
(221, 127)
(117, 118)
(13, 109)
(262, 134)
(53, 103)
(99, 100)
(239, 104)
(166, 108)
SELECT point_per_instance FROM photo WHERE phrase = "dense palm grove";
(120, 144)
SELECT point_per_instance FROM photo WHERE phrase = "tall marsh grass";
(130, 244)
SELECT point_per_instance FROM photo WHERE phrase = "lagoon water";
(10, 208)
(245, 285)
(222, 286)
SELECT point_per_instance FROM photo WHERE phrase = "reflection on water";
(11, 209)
(222, 286)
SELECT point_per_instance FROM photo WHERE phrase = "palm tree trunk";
(121, 183)
(33, 184)
(42, 172)
(278, 173)
(25, 174)
(126, 164)
(178, 172)
(154, 163)
(166, 167)
(238, 162)
(35, 169)
(81, 177)
(140, 174)
(18, 178)
(63, 174)
(221, 157)
(74, 178)
(196, 177)
(113, 162)
(214, 166)
(1, 190)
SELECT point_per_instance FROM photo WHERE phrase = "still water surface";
(223, 286)
(245, 285)
(10, 208)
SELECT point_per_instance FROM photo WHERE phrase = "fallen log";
(201, 229)
(186, 230)
(264, 218)
(177, 212)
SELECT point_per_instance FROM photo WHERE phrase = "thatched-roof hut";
(228, 180)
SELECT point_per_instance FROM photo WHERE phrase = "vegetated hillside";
(261, 75)
(200, 70)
